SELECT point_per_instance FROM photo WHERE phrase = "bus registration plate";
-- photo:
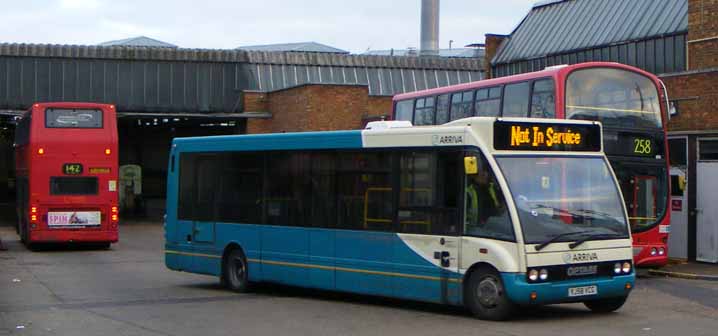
(581, 291)
(73, 218)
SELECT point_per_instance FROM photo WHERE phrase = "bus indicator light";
(33, 210)
(114, 218)
(114, 209)
(33, 218)
(108, 151)
(40, 151)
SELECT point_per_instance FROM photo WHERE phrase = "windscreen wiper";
(541, 246)
(595, 236)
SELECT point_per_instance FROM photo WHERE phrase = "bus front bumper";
(523, 293)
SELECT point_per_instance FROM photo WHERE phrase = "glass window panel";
(543, 103)
(516, 100)
(404, 110)
(442, 109)
(364, 191)
(486, 214)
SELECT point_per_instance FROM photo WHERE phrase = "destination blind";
(528, 136)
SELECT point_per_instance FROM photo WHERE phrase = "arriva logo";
(447, 140)
(579, 257)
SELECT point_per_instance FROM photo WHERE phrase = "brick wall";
(315, 107)
(492, 42)
(702, 34)
(379, 106)
(696, 96)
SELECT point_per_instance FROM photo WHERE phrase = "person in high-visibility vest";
(482, 200)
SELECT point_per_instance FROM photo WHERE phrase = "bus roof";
(551, 71)
(475, 131)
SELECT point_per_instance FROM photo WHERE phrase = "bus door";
(643, 206)
(429, 221)
(207, 182)
(207, 179)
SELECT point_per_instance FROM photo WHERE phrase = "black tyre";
(235, 271)
(486, 295)
(604, 306)
(102, 246)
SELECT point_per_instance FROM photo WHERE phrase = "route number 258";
(642, 146)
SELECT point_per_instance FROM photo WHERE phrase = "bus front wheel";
(235, 271)
(603, 306)
(486, 295)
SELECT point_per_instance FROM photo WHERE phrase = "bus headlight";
(661, 251)
(533, 275)
(654, 251)
(626, 267)
(617, 268)
(543, 274)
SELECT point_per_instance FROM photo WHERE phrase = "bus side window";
(208, 170)
(286, 192)
(488, 102)
(364, 191)
(442, 109)
(429, 192)
(543, 103)
(462, 105)
(516, 100)
(239, 195)
(424, 114)
(486, 213)
(404, 110)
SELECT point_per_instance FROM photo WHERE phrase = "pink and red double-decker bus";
(66, 169)
(629, 102)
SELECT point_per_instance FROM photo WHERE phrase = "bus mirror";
(470, 166)
(681, 182)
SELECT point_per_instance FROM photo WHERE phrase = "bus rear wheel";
(604, 306)
(486, 295)
(235, 271)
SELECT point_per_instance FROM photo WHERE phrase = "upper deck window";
(516, 100)
(73, 118)
(404, 110)
(488, 102)
(616, 97)
(543, 104)
(424, 114)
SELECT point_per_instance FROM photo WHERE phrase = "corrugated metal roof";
(296, 47)
(139, 41)
(240, 56)
(553, 27)
(455, 52)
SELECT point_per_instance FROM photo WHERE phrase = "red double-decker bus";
(629, 102)
(66, 170)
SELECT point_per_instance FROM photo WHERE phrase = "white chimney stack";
(429, 28)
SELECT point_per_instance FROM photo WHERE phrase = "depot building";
(162, 91)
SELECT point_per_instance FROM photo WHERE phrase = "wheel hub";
(488, 292)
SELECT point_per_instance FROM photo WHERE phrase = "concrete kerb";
(681, 275)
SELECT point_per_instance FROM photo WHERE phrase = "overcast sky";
(350, 25)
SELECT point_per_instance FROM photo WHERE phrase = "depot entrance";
(145, 141)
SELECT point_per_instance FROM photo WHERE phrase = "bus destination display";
(72, 169)
(546, 137)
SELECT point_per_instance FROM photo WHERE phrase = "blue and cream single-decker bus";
(490, 213)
